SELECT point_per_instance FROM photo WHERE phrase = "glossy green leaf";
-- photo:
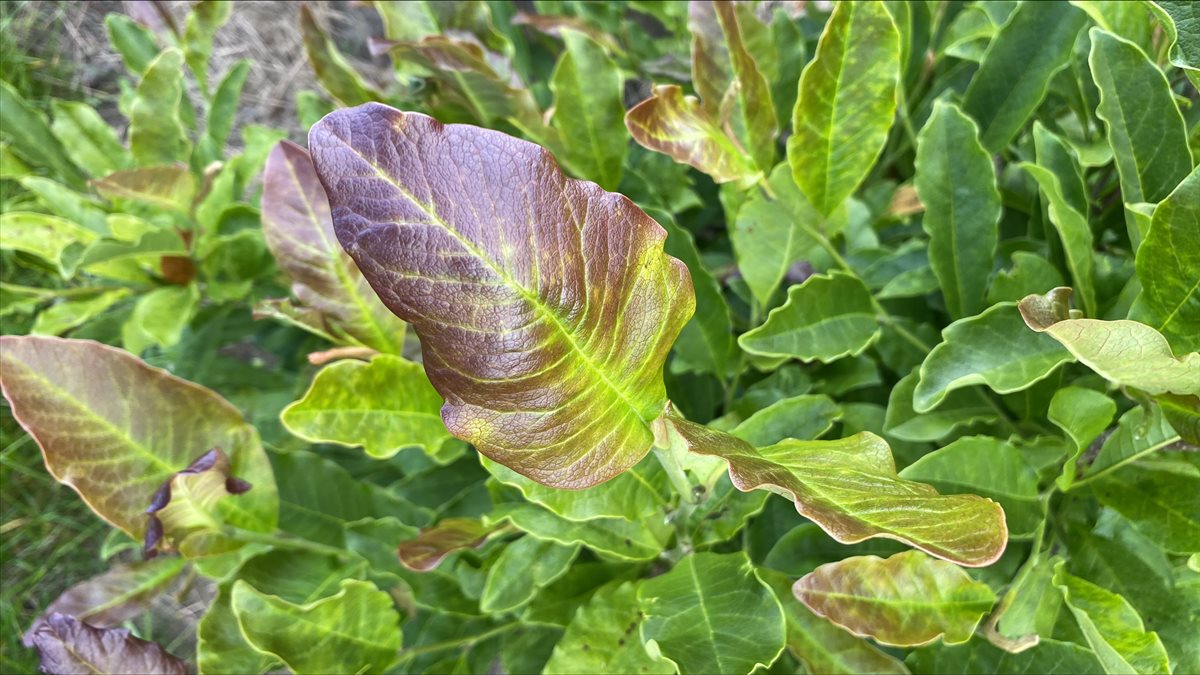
(171, 186)
(1014, 76)
(1168, 265)
(1029, 274)
(1083, 414)
(1178, 19)
(824, 319)
(1112, 628)
(522, 568)
(705, 345)
(988, 467)
(28, 134)
(677, 126)
(958, 409)
(1061, 183)
(87, 139)
(956, 181)
(850, 488)
(994, 348)
(1123, 352)
(1161, 501)
(63, 316)
(588, 106)
(357, 630)
(333, 72)
(159, 318)
(906, 600)
(595, 387)
(119, 434)
(156, 134)
(602, 638)
(384, 406)
(846, 103)
(712, 614)
(58, 241)
(1050, 657)
(800, 417)
(638, 493)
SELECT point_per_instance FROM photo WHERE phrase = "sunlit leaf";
(55, 240)
(87, 139)
(677, 126)
(156, 134)
(170, 186)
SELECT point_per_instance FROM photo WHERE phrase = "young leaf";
(205, 18)
(712, 614)
(824, 319)
(1168, 265)
(506, 272)
(956, 181)
(68, 645)
(384, 406)
(588, 107)
(120, 433)
(156, 134)
(1049, 657)
(356, 631)
(850, 488)
(1083, 414)
(994, 348)
(602, 638)
(677, 126)
(433, 544)
(1032, 45)
(846, 103)
(522, 568)
(1123, 352)
(87, 139)
(299, 231)
(1112, 628)
(907, 600)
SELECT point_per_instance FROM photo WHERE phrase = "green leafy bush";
(837, 266)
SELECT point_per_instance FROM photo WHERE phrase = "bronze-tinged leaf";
(435, 543)
(849, 487)
(68, 646)
(677, 126)
(545, 305)
(326, 283)
(115, 429)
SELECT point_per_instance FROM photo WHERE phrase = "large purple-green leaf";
(545, 305)
(115, 429)
(325, 281)
(69, 646)
(850, 488)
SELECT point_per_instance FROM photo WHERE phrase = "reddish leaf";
(69, 646)
(435, 543)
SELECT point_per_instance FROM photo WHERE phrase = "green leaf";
(957, 409)
(1183, 412)
(171, 187)
(203, 21)
(515, 313)
(133, 41)
(335, 75)
(846, 103)
(159, 318)
(1049, 657)
(87, 139)
(906, 600)
(712, 614)
(850, 488)
(638, 493)
(1168, 266)
(1030, 273)
(994, 348)
(31, 138)
(357, 630)
(325, 281)
(1083, 414)
(223, 111)
(385, 406)
(156, 134)
(64, 316)
(1060, 180)
(800, 417)
(601, 638)
(1161, 501)
(1140, 432)
(705, 345)
(1112, 628)
(1178, 20)
(827, 317)
(1123, 352)
(677, 126)
(1131, 20)
(1028, 610)
(1014, 76)
(588, 107)
(956, 181)
(67, 203)
(989, 467)
(613, 538)
(118, 434)
(58, 241)
(1145, 127)
(522, 568)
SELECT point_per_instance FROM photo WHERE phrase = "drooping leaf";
(87, 139)
(1112, 628)
(156, 134)
(906, 600)
(846, 103)
(1161, 501)
(588, 89)
(1168, 265)
(357, 630)
(603, 638)
(118, 434)
(1050, 657)
(956, 181)
(824, 319)
(1083, 414)
(513, 310)
(994, 348)
(335, 75)
(522, 568)
(1032, 45)
(433, 544)
(62, 201)
(69, 646)
(299, 231)
(171, 186)
(677, 126)
(384, 406)
(1124, 352)
(850, 488)
(712, 614)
